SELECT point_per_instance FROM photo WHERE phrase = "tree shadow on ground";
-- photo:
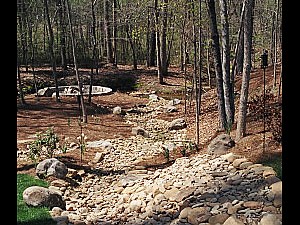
(72, 163)
(25, 167)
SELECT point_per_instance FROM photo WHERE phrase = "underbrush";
(268, 109)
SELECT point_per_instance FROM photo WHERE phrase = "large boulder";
(51, 167)
(40, 196)
(220, 144)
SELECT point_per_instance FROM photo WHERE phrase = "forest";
(221, 61)
(219, 39)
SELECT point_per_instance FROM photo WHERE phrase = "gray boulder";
(40, 196)
(220, 144)
(51, 167)
(270, 219)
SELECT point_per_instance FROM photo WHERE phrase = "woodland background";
(212, 42)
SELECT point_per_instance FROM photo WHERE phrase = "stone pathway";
(201, 190)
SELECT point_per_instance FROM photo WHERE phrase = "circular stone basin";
(72, 90)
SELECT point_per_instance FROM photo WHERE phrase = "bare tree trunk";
(181, 54)
(31, 44)
(151, 39)
(275, 43)
(23, 36)
(22, 100)
(158, 48)
(208, 65)
(170, 43)
(62, 33)
(82, 55)
(51, 50)
(238, 59)
(237, 65)
(163, 41)
(182, 44)
(248, 30)
(94, 38)
(280, 82)
(185, 81)
(198, 96)
(152, 48)
(217, 63)
(195, 72)
(94, 43)
(124, 48)
(100, 39)
(239, 54)
(148, 36)
(84, 115)
(109, 51)
(133, 47)
(115, 52)
(227, 83)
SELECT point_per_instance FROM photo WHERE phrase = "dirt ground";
(41, 113)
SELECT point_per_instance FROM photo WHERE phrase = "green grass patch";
(31, 215)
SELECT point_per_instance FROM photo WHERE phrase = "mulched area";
(41, 113)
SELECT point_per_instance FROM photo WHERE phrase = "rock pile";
(206, 189)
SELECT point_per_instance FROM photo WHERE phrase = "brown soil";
(41, 113)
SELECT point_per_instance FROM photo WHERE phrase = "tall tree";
(22, 99)
(131, 39)
(94, 37)
(108, 33)
(183, 42)
(95, 55)
(62, 33)
(84, 115)
(158, 44)
(114, 32)
(195, 80)
(51, 49)
(32, 46)
(248, 30)
(151, 38)
(199, 93)
(217, 63)
(161, 39)
(227, 83)
(275, 35)
(21, 19)
(238, 51)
